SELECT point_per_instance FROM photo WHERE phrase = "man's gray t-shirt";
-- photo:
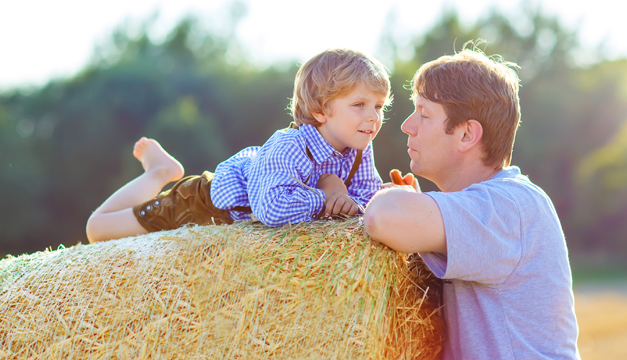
(508, 285)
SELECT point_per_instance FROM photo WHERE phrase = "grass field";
(601, 308)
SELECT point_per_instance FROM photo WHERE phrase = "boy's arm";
(406, 221)
(275, 192)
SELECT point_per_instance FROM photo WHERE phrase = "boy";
(491, 234)
(322, 165)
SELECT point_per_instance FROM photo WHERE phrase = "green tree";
(66, 146)
(567, 112)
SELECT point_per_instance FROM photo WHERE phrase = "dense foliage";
(66, 146)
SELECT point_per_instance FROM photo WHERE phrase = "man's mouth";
(369, 132)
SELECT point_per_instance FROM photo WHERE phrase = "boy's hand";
(336, 195)
(340, 204)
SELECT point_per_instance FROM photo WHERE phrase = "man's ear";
(320, 117)
(471, 135)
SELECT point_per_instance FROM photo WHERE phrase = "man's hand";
(399, 180)
(336, 195)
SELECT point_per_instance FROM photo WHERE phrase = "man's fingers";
(395, 176)
(409, 179)
(398, 179)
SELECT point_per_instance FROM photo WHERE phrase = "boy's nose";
(373, 116)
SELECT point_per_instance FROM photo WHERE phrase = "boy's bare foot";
(157, 161)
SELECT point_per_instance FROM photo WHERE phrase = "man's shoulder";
(518, 186)
(514, 196)
(508, 194)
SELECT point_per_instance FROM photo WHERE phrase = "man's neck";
(464, 176)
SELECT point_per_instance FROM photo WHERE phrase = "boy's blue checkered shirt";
(260, 177)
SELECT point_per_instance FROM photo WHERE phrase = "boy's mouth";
(369, 132)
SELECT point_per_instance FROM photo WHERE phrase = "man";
(491, 234)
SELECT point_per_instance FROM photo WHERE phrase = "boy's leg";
(114, 225)
(114, 218)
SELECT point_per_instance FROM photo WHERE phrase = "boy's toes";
(139, 146)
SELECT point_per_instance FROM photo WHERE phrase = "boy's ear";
(471, 135)
(320, 117)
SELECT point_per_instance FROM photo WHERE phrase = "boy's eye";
(359, 104)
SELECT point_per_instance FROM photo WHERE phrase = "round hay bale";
(320, 290)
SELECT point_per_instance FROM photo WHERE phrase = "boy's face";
(431, 150)
(353, 120)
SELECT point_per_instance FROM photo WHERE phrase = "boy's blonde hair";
(331, 74)
(470, 85)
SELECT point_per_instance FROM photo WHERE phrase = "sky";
(42, 40)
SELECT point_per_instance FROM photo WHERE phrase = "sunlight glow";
(42, 40)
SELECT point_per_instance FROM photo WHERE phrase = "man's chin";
(415, 169)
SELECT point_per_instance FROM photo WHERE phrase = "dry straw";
(321, 290)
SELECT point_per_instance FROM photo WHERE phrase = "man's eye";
(359, 104)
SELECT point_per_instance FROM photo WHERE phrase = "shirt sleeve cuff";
(316, 200)
(359, 204)
(436, 262)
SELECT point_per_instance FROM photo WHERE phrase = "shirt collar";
(320, 148)
(507, 172)
(510, 172)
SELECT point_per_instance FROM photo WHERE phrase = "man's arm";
(406, 221)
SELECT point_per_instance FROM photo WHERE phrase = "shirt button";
(142, 213)
(148, 207)
(157, 203)
(313, 216)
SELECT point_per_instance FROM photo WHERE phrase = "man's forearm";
(405, 221)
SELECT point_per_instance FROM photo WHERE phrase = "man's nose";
(408, 127)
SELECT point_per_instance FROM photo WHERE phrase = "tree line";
(66, 146)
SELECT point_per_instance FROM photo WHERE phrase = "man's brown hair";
(470, 85)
